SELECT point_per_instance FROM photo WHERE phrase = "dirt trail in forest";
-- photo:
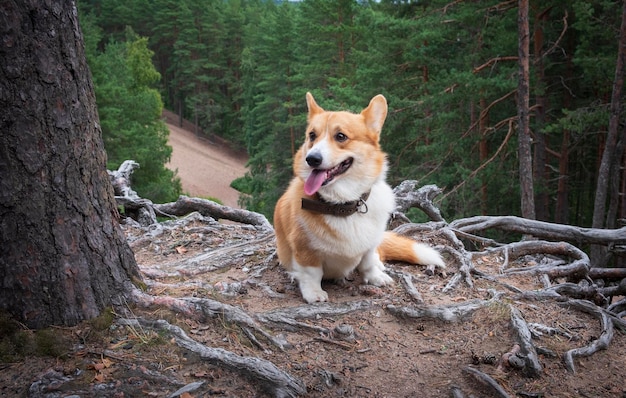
(206, 169)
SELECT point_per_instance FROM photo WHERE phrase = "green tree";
(130, 115)
(448, 69)
(272, 123)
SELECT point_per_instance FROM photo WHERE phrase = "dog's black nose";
(314, 159)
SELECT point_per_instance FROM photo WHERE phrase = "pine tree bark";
(608, 164)
(612, 153)
(64, 257)
(523, 98)
(562, 215)
(540, 153)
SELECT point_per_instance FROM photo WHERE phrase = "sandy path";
(205, 169)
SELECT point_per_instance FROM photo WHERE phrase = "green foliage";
(104, 320)
(130, 115)
(240, 68)
(50, 343)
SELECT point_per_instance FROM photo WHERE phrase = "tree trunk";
(561, 214)
(611, 155)
(540, 152)
(523, 94)
(483, 123)
(608, 163)
(64, 257)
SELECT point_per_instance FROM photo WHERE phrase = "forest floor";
(366, 350)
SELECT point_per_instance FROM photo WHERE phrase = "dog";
(332, 219)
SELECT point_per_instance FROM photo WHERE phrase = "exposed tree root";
(533, 367)
(126, 196)
(607, 273)
(578, 269)
(262, 372)
(408, 196)
(409, 287)
(541, 229)
(619, 307)
(289, 316)
(601, 343)
(446, 313)
(202, 308)
(590, 308)
(560, 268)
(222, 257)
(487, 380)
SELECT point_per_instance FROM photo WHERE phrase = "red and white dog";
(332, 218)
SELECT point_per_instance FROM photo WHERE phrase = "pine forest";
(450, 71)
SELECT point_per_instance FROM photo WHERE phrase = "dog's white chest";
(355, 235)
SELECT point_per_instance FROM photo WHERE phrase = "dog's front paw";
(312, 295)
(377, 277)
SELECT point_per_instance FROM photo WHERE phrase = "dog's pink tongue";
(314, 182)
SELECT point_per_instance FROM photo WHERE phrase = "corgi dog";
(333, 217)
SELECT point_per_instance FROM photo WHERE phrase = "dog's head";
(341, 157)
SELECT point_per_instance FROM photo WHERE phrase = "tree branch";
(493, 61)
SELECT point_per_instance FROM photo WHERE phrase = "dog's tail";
(400, 248)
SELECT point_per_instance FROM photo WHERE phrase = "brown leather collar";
(336, 209)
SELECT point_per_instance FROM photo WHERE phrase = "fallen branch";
(185, 205)
(263, 373)
(541, 229)
(607, 273)
(125, 196)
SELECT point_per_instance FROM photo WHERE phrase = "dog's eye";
(341, 137)
(312, 136)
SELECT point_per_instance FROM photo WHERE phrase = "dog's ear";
(375, 113)
(314, 109)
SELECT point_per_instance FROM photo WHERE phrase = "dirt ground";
(380, 355)
(384, 355)
(205, 168)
